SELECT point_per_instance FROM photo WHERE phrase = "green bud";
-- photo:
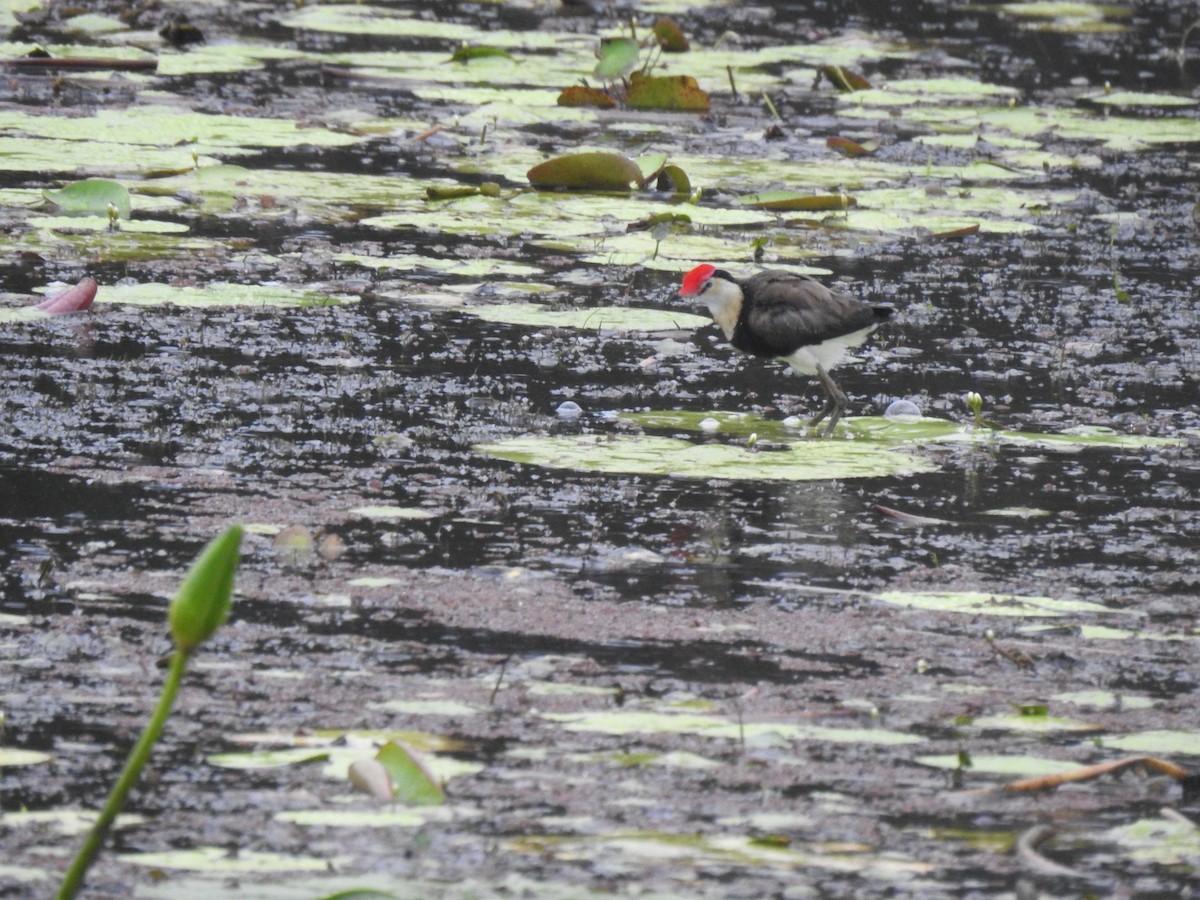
(975, 405)
(202, 603)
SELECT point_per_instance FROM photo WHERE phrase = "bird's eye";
(707, 285)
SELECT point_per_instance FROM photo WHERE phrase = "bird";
(789, 317)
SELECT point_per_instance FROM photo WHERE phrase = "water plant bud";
(202, 604)
(975, 405)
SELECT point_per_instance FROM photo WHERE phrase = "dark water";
(130, 435)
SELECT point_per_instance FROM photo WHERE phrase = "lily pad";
(1163, 842)
(977, 603)
(607, 319)
(792, 201)
(268, 759)
(678, 93)
(12, 756)
(1158, 743)
(618, 57)
(1013, 766)
(647, 455)
(92, 196)
(217, 294)
(598, 171)
(221, 859)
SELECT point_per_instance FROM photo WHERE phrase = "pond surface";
(743, 677)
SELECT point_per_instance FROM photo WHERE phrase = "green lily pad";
(1013, 766)
(597, 171)
(1104, 700)
(68, 822)
(792, 201)
(899, 433)
(412, 783)
(647, 455)
(643, 721)
(92, 196)
(1034, 724)
(268, 759)
(618, 57)
(1158, 743)
(1163, 842)
(1140, 98)
(220, 859)
(217, 294)
(393, 512)
(12, 756)
(606, 319)
(368, 818)
(679, 93)
(977, 603)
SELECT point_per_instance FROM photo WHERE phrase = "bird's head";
(697, 280)
(721, 293)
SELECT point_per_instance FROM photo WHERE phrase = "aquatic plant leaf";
(608, 319)
(670, 36)
(600, 171)
(366, 818)
(792, 201)
(977, 603)
(92, 196)
(1028, 766)
(67, 822)
(647, 455)
(1161, 841)
(586, 96)
(1157, 743)
(74, 299)
(268, 759)
(466, 52)
(649, 721)
(202, 604)
(393, 512)
(1066, 17)
(848, 147)
(12, 756)
(371, 776)
(412, 782)
(219, 859)
(677, 93)
(1139, 98)
(1034, 724)
(450, 191)
(618, 57)
(218, 294)
(675, 180)
(843, 79)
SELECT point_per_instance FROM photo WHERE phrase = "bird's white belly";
(827, 354)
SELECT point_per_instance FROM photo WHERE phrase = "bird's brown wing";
(784, 312)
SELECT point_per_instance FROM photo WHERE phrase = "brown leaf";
(842, 78)
(582, 95)
(670, 36)
(847, 147)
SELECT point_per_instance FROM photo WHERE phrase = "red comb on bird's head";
(694, 280)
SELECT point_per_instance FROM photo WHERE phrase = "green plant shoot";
(199, 608)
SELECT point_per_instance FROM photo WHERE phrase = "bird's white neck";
(724, 300)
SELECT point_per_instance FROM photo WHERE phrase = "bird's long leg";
(835, 402)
